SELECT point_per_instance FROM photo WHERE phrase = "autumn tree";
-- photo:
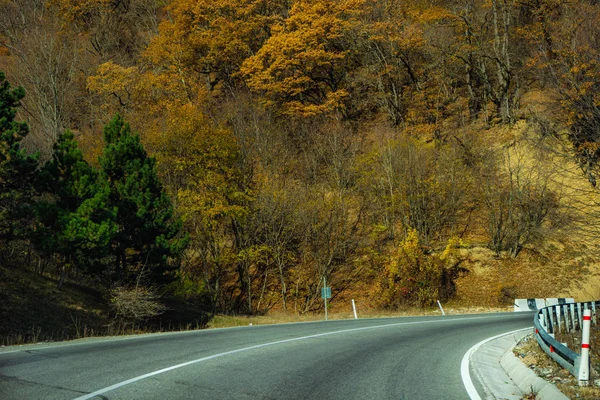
(415, 278)
(564, 42)
(47, 64)
(417, 187)
(278, 226)
(492, 53)
(268, 237)
(199, 162)
(196, 55)
(115, 30)
(518, 199)
(330, 244)
(205, 42)
(302, 67)
(399, 58)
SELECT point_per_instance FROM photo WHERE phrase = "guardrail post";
(543, 319)
(584, 366)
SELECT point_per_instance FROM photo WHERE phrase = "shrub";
(135, 305)
(413, 277)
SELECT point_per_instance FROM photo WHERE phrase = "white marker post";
(441, 309)
(584, 365)
(354, 309)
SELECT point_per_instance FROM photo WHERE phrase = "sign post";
(325, 294)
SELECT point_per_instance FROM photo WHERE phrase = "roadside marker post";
(354, 309)
(325, 294)
(584, 366)
(441, 308)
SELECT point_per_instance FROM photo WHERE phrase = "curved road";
(392, 358)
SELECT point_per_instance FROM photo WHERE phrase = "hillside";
(163, 161)
(34, 310)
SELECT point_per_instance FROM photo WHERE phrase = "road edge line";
(465, 364)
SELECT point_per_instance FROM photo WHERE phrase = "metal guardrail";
(568, 318)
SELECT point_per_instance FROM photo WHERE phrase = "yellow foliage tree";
(207, 40)
(412, 277)
(199, 163)
(302, 67)
(144, 94)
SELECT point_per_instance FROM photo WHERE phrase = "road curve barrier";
(536, 304)
(567, 318)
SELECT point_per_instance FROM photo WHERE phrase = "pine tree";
(75, 222)
(17, 168)
(147, 233)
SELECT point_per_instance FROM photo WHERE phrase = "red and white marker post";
(584, 365)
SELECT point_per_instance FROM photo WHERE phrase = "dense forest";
(233, 153)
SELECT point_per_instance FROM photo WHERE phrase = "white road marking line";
(108, 339)
(9, 352)
(185, 364)
(465, 364)
(103, 339)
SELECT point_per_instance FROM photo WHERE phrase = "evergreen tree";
(17, 168)
(147, 233)
(75, 222)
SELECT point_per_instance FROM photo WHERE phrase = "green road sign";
(326, 292)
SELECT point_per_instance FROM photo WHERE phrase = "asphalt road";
(392, 358)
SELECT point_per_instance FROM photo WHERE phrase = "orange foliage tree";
(206, 41)
(302, 67)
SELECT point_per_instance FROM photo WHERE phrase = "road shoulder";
(503, 376)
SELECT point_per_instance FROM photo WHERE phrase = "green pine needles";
(115, 222)
(146, 234)
(75, 222)
(17, 169)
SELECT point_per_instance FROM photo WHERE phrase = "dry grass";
(565, 263)
(551, 269)
(226, 321)
(535, 358)
(33, 310)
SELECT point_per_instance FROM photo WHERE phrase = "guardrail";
(568, 318)
(536, 304)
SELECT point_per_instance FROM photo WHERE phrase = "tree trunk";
(283, 285)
